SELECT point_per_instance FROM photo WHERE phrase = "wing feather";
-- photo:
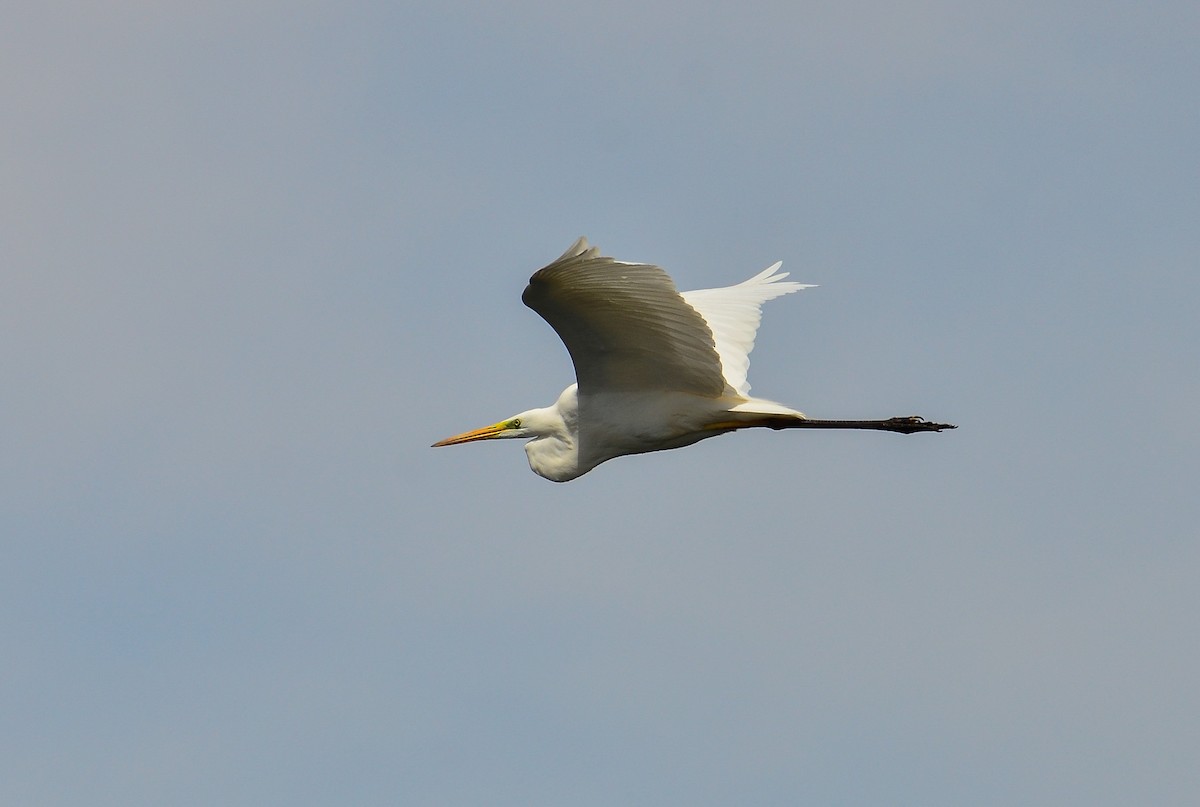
(733, 315)
(625, 325)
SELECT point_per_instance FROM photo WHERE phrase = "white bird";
(655, 368)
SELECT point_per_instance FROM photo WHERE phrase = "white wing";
(733, 315)
(625, 325)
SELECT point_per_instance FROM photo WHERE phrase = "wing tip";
(580, 249)
(772, 275)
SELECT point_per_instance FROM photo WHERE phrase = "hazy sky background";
(257, 256)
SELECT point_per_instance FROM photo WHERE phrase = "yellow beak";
(495, 430)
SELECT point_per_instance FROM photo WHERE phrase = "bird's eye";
(516, 423)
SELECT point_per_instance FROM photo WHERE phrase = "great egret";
(655, 368)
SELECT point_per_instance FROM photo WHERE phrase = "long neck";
(554, 451)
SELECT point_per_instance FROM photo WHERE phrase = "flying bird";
(655, 368)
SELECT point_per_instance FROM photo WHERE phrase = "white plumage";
(655, 368)
(733, 314)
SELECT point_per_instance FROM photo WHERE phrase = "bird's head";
(552, 446)
(515, 426)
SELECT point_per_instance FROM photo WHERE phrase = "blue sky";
(258, 256)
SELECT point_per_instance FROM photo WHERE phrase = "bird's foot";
(915, 423)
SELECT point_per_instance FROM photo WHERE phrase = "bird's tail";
(761, 406)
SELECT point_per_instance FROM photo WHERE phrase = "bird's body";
(655, 368)
(580, 431)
